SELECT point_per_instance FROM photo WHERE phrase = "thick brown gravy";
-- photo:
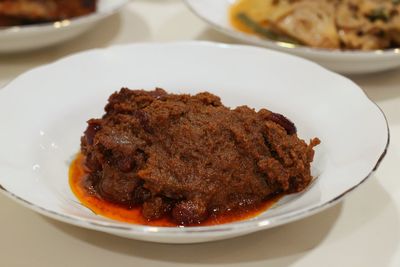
(78, 174)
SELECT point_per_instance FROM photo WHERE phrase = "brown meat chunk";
(190, 157)
(189, 212)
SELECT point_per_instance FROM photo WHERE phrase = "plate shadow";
(290, 241)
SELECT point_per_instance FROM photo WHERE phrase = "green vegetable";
(257, 28)
(379, 14)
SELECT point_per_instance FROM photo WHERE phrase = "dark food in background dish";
(190, 157)
(23, 12)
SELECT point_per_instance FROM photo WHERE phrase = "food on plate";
(22, 12)
(189, 158)
(333, 24)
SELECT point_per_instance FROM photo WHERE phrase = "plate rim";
(61, 24)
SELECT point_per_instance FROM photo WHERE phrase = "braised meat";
(190, 157)
(16, 12)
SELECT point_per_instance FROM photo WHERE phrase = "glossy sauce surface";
(99, 206)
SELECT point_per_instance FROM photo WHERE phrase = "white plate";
(215, 12)
(43, 114)
(23, 38)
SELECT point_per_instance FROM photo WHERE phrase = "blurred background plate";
(215, 13)
(29, 37)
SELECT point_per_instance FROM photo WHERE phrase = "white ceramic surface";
(43, 114)
(23, 38)
(215, 12)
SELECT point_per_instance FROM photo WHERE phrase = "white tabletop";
(363, 230)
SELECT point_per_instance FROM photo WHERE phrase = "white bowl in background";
(215, 13)
(30, 37)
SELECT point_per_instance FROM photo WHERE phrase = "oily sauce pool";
(77, 178)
